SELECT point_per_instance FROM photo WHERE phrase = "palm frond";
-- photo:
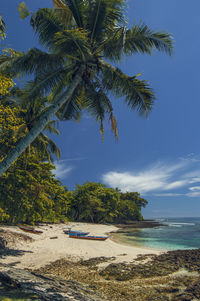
(72, 42)
(95, 18)
(51, 128)
(114, 14)
(73, 106)
(34, 61)
(63, 12)
(45, 147)
(138, 94)
(45, 82)
(51, 146)
(7, 65)
(46, 24)
(99, 105)
(113, 47)
(76, 7)
(141, 39)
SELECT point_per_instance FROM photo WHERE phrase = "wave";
(171, 224)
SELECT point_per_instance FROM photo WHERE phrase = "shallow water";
(178, 234)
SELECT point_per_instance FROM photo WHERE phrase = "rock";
(95, 261)
(2, 243)
(130, 225)
(45, 288)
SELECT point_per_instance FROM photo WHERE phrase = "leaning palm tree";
(28, 112)
(85, 42)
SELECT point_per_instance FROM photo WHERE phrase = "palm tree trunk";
(40, 125)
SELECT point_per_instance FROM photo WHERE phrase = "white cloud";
(194, 188)
(193, 194)
(176, 184)
(195, 180)
(61, 170)
(159, 178)
(168, 194)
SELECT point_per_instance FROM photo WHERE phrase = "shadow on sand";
(12, 252)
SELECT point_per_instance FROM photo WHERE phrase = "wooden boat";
(66, 230)
(89, 237)
(29, 230)
(78, 233)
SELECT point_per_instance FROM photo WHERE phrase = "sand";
(44, 250)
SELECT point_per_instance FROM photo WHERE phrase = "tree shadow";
(12, 252)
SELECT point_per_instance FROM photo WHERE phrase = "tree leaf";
(24, 12)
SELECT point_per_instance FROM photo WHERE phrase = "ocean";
(177, 234)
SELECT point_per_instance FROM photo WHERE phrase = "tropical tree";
(93, 202)
(30, 193)
(6, 82)
(97, 203)
(17, 118)
(80, 70)
(30, 111)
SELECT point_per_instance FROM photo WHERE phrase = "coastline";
(118, 236)
(35, 251)
(88, 270)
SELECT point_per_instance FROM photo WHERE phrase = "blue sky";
(158, 156)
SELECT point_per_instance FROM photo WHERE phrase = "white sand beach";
(44, 250)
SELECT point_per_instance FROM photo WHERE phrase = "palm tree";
(28, 113)
(77, 69)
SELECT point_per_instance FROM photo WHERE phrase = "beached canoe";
(66, 230)
(78, 233)
(89, 237)
(30, 230)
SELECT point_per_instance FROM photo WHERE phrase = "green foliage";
(28, 190)
(30, 193)
(4, 217)
(94, 202)
(23, 10)
(89, 33)
(17, 118)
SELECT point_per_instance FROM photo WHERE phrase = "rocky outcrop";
(171, 276)
(129, 226)
(2, 243)
(43, 287)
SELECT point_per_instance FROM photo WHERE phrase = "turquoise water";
(178, 234)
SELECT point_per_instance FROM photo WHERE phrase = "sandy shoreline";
(44, 250)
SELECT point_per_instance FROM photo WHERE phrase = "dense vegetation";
(94, 202)
(30, 194)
